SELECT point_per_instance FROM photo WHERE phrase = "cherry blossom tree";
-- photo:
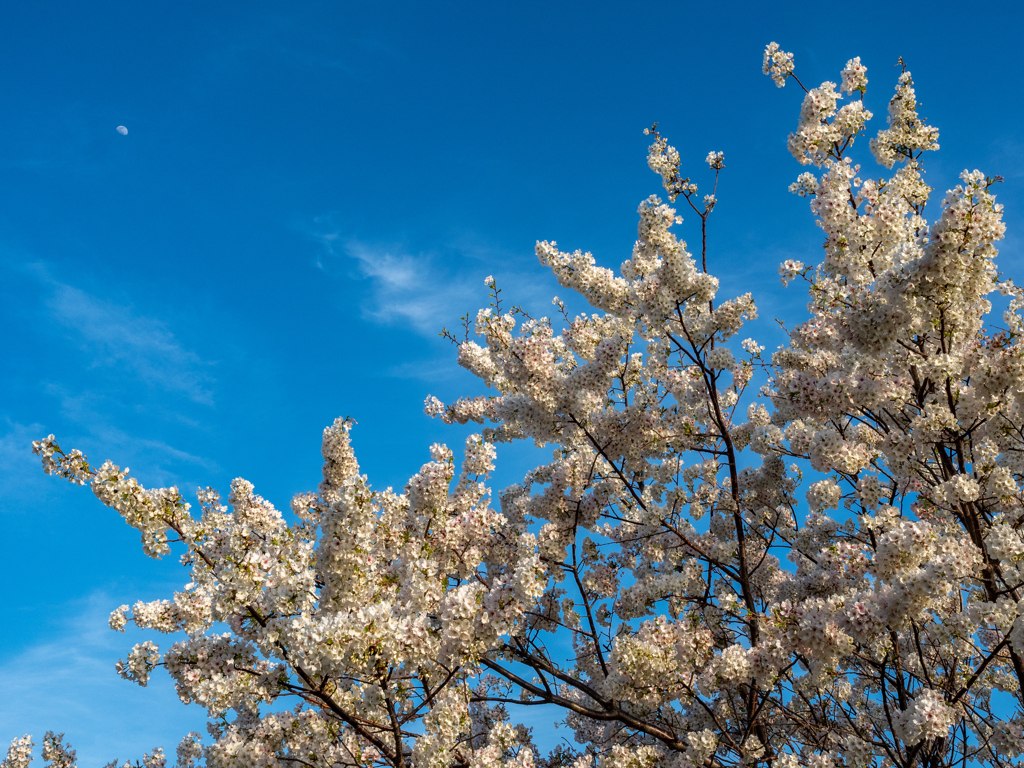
(660, 580)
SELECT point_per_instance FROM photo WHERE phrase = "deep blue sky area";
(308, 192)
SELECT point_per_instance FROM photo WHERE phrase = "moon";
(122, 130)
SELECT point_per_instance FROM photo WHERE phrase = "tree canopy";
(660, 580)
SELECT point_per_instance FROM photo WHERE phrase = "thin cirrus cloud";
(427, 292)
(103, 716)
(405, 290)
(115, 336)
(409, 289)
(20, 476)
(87, 409)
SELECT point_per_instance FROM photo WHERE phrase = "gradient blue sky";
(308, 192)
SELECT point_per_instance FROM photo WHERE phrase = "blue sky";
(308, 192)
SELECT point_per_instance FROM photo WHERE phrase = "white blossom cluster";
(660, 580)
(777, 63)
(19, 754)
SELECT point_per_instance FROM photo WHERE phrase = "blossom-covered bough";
(657, 582)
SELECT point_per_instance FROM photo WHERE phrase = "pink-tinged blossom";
(777, 63)
(19, 754)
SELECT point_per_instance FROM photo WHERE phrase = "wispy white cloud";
(117, 336)
(431, 290)
(421, 290)
(411, 289)
(24, 483)
(20, 476)
(67, 683)
(165, 464)
(438, 369)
